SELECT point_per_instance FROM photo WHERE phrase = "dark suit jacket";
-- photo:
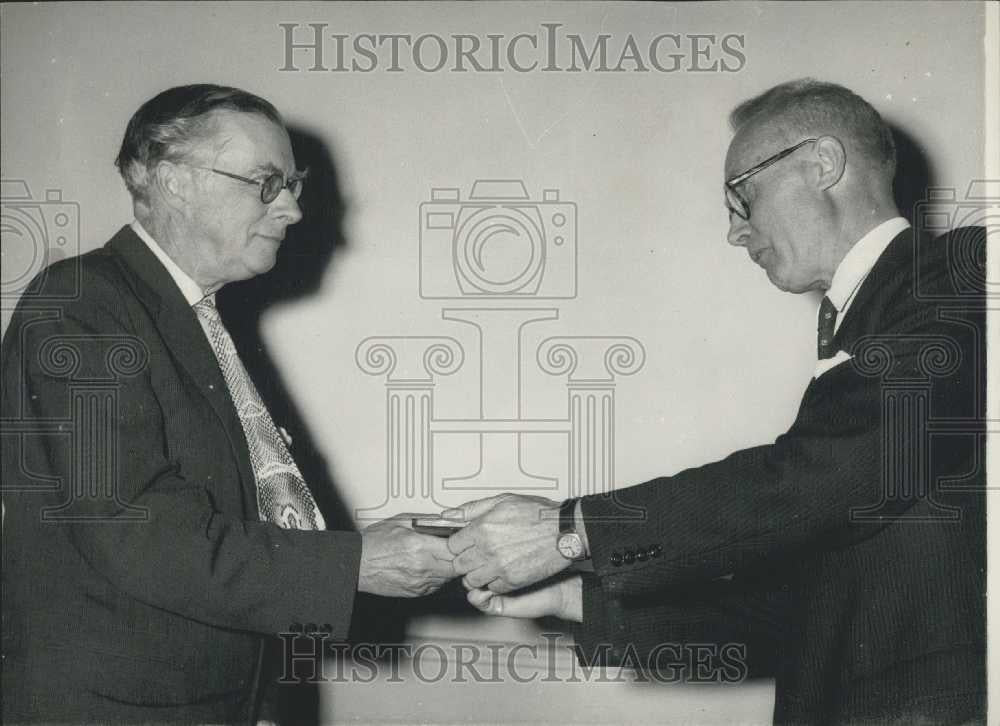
(138, 581)
(855, 541)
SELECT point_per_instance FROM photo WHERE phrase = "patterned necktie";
(827, 322)
(282, 494)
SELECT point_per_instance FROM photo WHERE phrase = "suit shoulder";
(928, 270)
(88, 276)
(961, 255)
(946, 270)
(91, 288)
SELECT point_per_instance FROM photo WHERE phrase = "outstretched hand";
(561, 597)
(398, 562)
(509, 543)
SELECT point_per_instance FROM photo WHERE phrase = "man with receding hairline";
(847, 557)
(155, 543)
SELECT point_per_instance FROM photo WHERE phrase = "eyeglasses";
(734, 202)
(270, 186)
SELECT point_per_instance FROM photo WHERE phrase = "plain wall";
(640, 155)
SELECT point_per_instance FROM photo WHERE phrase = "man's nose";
(286, 207)
(739, 230)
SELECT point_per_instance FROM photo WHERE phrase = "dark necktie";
(282, 494)
(824, 337)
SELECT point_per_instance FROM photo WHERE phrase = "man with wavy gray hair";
(849, 554)
(158, 529)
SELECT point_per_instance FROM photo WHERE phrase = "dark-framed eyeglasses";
(734, 202)
(270, 186)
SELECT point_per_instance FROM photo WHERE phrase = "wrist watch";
(569, 543)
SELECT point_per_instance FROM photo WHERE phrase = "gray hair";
(814, 108)
(167, 126)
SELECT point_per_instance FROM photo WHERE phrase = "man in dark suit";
(157, 529)
(850, 553)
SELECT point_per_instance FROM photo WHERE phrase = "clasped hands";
(506, 556)
(508, 559)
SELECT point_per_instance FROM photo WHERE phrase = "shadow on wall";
(302, 260)
(914, 174)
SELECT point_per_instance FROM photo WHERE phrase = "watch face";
(570, 546)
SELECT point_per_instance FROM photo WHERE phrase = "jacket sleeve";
(812, 486)
(161, 538)
(679, 634)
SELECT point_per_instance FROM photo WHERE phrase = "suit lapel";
(185, 339)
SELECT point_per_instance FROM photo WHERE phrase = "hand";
(509, 544)
(398, 562)
(560, 597)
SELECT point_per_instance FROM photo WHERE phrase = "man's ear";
(832, 161)
(174, 184)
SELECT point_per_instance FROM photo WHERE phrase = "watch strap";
(567, 521)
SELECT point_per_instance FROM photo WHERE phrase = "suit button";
(616, 559)
(629, 556)
(655, 550)
(642, 555)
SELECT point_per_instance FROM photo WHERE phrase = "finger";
(436, 546)
(469, 560)
(478, 579)
(470, 510)
(480, 598)
(462, 540)
(431, 555)
(485, 601)
(443, 569)
(500, 586)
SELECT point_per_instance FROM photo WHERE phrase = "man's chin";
(780, 282)
(264, 261)
(264, 266)
(794, 288)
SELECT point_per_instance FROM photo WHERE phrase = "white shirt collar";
(860, 260)
(189, 288)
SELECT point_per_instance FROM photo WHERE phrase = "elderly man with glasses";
(848, 557)
(157, 527)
